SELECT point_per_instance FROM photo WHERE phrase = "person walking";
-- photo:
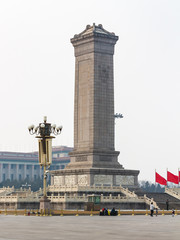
(156, 212)
(167, 204)
(152, 209)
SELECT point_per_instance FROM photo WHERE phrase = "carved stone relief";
(124, 180)
(70, 180)
(103, 179)
(82, 180)
(58, 180)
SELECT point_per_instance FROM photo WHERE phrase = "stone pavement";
(86, 227)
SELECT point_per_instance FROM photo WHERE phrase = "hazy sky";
(37, 75)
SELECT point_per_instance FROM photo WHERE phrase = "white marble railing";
(5, 199)
(75, 198)
(128, 193)
(94, 188)
(84, 198)
(16, 199)
(56, 199)
(149, 201)
(34, 197)
(172, 192)
(176, 189)
(64, 188)
(6, 189)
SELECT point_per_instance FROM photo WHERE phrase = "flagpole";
(178, 177)
(167, 176)
(155, 178)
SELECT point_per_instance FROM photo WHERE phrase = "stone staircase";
(6, 191)
(174, 192)
(161, 198)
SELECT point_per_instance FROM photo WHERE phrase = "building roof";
(22, 157)
(61, 149)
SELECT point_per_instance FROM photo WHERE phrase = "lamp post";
(43, 132)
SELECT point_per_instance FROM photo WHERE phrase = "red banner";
(160, 179)
(172, 178)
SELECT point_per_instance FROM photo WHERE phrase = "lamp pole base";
(45, 204)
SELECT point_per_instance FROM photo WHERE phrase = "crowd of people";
(106, 212)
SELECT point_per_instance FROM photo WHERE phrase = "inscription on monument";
(103, 73)
(83, 101)
(81, 158)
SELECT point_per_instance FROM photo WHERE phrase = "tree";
(147, 186)
(35, 185)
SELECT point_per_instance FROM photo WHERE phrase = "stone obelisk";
(94, 100)
(94, 160)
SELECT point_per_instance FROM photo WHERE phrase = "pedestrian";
(156, 212)
(152, 209)
(167, 204)
(173, 212)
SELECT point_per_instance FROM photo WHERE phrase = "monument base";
(95, 177)
(71, 188)
(44, 204)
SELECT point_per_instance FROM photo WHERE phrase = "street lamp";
(26, 185)
(43, 132)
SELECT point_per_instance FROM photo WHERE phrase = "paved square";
(86, 227)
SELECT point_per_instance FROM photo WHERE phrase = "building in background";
(23, 165)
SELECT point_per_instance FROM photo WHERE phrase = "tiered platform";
(73, 197)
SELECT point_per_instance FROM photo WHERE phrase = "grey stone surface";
(94, 155)
(86, 227)
(94, 99)
(44, 203)
(93, 176)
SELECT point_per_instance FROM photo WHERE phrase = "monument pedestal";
(94, 159)
(95, 177)
(45, 204)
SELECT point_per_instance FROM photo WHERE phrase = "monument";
(94, 178)
(94, 160)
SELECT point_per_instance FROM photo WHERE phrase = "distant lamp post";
(43, 132)
(26, 185)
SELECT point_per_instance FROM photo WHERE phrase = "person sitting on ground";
(105, 212)
(113, 212)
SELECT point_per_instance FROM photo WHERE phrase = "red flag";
(179, 176)
(172, 178)
(160, 179)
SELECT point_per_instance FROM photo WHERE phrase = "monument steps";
(161, 198)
